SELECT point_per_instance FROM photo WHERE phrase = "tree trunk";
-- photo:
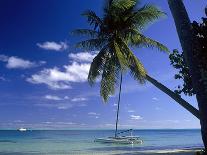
(188, 43)
(174, 96)
(118, 105)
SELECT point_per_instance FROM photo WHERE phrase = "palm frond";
(110, 78)
(150, 43)
(145, 15)
(97, 65)
(85, 32)
(93, 19)
(136, 68)
(114, 8)
(91, 44)
(123, 4)
(140, 40)
(120, 56)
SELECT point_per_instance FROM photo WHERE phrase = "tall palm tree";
(112, 34)
(190, 49)
(120, 26)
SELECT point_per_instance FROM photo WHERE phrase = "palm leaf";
(139, 40)
(97, 65)
(86, 32)
(123, 4)
(93, 19)
(142, 41)
(91, 44)
(136, 68)
(109, 78)
(145, 15)
(120, 56)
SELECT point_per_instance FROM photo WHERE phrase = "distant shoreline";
(29, 129)
(167, 152)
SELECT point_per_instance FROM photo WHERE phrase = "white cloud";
(78, 72)
(59, 103)
(77, 99)
(155, 99)
(51, 77)
(62, 107)
(14, 62)
(93, 113)
(47, 122)
(66, 98)
(135, 117)
(54, 46)
(42, 62)
(56, 98)
(82, 56)
(52, 97)
(57, 79)
(131, 111)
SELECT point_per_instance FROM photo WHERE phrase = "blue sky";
(43, 77)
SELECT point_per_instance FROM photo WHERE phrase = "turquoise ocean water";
(78, 142)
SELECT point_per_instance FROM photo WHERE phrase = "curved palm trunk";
(117, 113)
(166, 90)
(188, 43)
(174, 96)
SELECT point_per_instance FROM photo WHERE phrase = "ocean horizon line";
(92, 129)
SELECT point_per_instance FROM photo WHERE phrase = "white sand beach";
(171, 152)
(151, 152)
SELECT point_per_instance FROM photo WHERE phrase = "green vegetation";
(178, 61)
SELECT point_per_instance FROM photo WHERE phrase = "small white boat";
(22, 129)
(120, 140)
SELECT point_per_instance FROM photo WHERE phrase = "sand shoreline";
(146, 152)
(161, 152)
(171, 152)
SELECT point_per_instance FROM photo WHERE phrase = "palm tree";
(120, 26)
(112, 34)
(190, 49)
